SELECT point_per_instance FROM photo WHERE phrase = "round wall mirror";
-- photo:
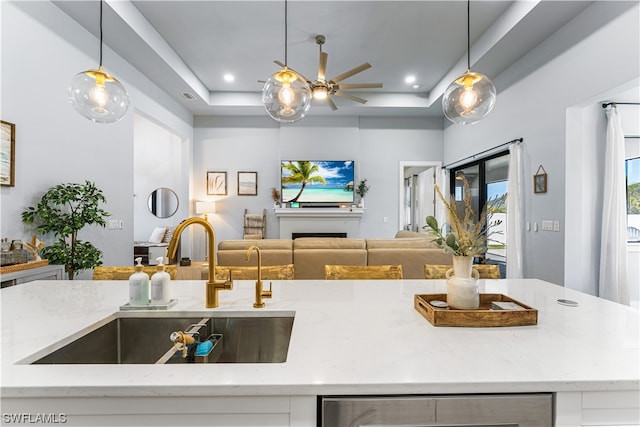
(163, 202)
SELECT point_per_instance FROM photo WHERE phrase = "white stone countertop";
(348, 337)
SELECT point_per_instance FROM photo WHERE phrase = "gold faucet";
(260, 293)
(213, 285)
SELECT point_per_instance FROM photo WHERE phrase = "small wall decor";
(217, 183)
(540, 181)
(7, 154)
(247, 183)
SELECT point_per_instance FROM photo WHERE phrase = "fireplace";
(317, 234)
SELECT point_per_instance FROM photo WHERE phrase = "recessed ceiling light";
(416, 86)
(229, 78)
(410, 79)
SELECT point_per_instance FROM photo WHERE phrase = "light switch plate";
(556, 225)
(547, 225)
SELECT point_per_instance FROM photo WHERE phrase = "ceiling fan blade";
(351, 72)
(359, 86)
(293, 71)
(351, 97)
(332, 104)
(322, 66)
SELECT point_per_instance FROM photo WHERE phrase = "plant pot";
(361, 203)
(463, 292)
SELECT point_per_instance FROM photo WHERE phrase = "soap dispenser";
(160, 285)
(139, 286)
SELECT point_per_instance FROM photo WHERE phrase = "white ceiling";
(188, 46)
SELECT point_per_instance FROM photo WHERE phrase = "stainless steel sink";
(145, 340)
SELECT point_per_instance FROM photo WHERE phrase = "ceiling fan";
(323, 89)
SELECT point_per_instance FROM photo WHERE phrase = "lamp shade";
(205, 207)
(469, 98)
(98, 96)
(286, 97)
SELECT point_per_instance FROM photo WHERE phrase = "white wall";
(42, 49)
(582, 59)
(377, 145)
(157, 157)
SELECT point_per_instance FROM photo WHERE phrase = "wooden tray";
(24, 266)
(483, 317)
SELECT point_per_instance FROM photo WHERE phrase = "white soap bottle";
(160, 285)
(139, 286)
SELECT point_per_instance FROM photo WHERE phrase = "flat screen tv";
(327, 181)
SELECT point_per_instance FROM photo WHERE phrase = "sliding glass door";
(487, 180)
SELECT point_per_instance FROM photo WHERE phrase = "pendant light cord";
(285, 32)
(100, 33)
(468, 35)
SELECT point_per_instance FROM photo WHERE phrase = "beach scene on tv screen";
(317, 181)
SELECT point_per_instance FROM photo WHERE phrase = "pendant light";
(471, 96)
(97, 95)
(285, 95)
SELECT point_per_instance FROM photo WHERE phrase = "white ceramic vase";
(361, 204)
(463, 292)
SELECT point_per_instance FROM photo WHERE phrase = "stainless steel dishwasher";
(510, 410)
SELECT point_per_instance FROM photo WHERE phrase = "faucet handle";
(267, 294)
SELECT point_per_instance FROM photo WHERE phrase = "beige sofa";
(410, 252)
(309, 255)
(273, 252)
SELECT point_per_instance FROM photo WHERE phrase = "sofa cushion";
(273, 251)
(261, 243)
(407, 233)
(402, 242)
(327, 243)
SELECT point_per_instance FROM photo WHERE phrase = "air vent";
(188, 95)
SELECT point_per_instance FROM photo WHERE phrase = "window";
(632, 172)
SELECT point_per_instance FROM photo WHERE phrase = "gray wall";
(377, 145)
(42, 49)
(535, 107)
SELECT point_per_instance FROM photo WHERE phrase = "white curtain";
(514, 213)
(613, 247)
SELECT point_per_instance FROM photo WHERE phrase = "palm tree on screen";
(301, 173)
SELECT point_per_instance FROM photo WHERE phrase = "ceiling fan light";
(469, 98)
(320, 93)
(286, 99)
(98, 96)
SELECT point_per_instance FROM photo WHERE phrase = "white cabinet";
(47, 272)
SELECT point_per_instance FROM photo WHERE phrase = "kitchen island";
(348, 338)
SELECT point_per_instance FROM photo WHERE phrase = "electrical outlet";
(385, 219)
(556, 225)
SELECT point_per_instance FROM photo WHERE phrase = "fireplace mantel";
(319, 220)
(318, 212)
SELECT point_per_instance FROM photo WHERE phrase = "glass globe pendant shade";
(98, 96)
(286, 97)
(469, 98)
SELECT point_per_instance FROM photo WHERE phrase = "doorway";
(417, 193)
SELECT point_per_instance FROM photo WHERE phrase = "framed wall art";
(217, 183)
(540, 181)
(247, 183)
(7, 154)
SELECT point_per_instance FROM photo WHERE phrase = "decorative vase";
(361, 204)
(462, 284)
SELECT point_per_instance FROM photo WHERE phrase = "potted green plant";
(361, 190)
(64, 210)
